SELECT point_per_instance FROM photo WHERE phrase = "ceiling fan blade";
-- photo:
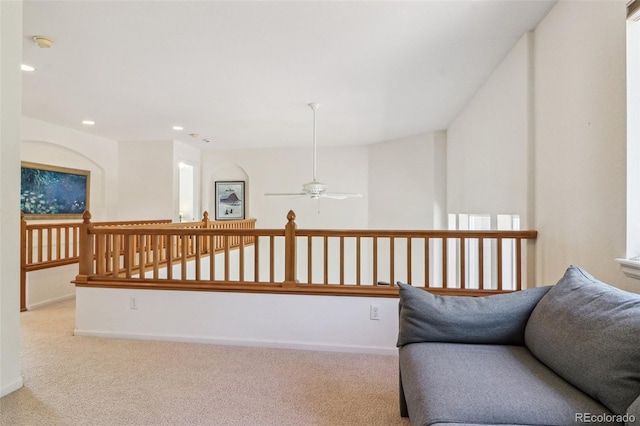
(340, 195)
(285, 194)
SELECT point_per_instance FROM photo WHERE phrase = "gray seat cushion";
(486, 384)
(589, 333)
(498, 319)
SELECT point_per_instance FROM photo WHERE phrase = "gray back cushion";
(589, 333)
(498, 319)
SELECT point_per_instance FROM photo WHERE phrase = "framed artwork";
(53, 192)
(229, 200)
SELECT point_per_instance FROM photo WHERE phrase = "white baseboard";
(242, 342)
(12, 387)
(50, 301)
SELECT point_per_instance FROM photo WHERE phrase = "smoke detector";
(43, 42)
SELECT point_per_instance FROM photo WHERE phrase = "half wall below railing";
(289, 260)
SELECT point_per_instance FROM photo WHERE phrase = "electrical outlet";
(133, 303)
(375, 312)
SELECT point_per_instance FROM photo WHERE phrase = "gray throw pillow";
(497, 319)
(589, 333)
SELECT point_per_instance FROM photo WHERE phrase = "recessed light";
(42, 41)
(178, 128)
(28, 68)
(88, 122)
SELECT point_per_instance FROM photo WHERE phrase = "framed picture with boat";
(229, 200)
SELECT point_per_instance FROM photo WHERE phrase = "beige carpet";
(91, 381)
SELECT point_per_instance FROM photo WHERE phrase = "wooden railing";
(351, 262)
(123, 251)
(49, 245)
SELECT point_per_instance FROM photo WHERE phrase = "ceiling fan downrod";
(314, 107)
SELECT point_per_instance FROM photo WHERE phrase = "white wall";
(580, 134)
(10, 112)
(328, 323)
(488, 143)
(149, 180)
(146, 180)
(404, 178)
(550, 144)
(633, 138)
(50, 285)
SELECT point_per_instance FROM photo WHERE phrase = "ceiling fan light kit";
(314, 189)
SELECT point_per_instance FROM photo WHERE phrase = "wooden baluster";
(199, 240)
(76, 241)
(49, 243)
(155, 248)
(375, 261)
(169, 256)
(58, 235)
(30, 239)
(341, 260)
(67, 243)
(271, 259)
(445, 283)
(108, 253)
(358, 261)
(256, 259)
(115, 256)
(142, 255)
(184, 252)
(128, 247)
(40, 246)
(226, 257)
(392, 259)
(326, 260)
(101, 254)
(147, 251)
(212, 258)
(241, 263)
(309, 259)
(409, 247)
(427, 263)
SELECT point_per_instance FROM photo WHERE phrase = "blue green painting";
(53, 192)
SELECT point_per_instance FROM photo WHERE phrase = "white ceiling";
(242, 73)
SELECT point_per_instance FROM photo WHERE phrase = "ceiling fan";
(314, 189)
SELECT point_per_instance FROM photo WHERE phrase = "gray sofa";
(557, 355)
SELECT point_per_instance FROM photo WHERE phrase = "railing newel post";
(85, 264)
(290, 251)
